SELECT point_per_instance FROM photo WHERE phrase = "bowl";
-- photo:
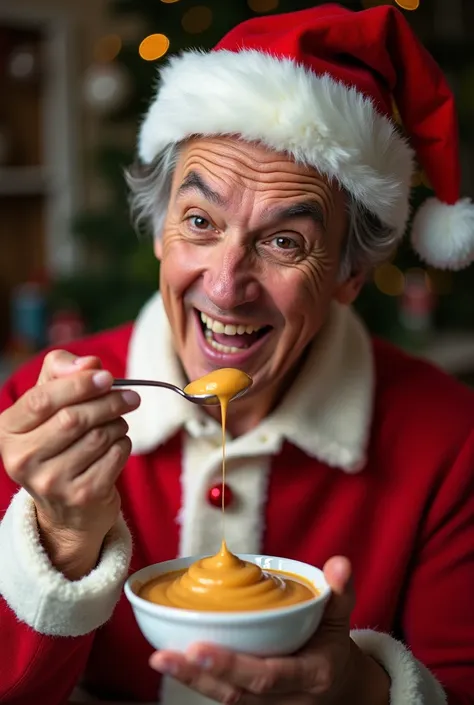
(270, 632)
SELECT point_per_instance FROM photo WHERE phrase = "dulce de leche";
(224, 582)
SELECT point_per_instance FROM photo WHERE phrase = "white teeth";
(216, 326)
(228, 329)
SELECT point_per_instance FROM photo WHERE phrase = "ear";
(347, 291)
(158, 247)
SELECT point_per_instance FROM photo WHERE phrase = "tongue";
(236, 341)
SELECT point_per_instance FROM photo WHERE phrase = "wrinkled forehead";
(227, 169)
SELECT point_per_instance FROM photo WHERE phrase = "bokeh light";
(408, 4)
(389, 279)
(154, 47)
(169, 2)
(197, 19)
(108, 48)
(262, 5)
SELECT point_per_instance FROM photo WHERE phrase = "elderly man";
(274, 178)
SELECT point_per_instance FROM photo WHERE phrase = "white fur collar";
(327, 412)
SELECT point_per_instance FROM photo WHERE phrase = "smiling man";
(273, 176)
(250, 255)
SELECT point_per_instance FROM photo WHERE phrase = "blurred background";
(75, 78)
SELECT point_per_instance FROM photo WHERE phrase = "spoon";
(202, 399)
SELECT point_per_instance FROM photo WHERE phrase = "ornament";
(154, 47)
(22, 63)
(66, 325)
(106, 87)
(214, 496)
(197, 19)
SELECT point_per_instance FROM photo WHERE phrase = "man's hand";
(330, 670)
(65, 442)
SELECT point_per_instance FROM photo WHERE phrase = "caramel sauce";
(224, 582)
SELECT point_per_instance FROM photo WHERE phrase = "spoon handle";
(146, 383)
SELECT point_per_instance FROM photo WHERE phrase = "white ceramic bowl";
(274, 632)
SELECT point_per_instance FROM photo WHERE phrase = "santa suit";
(370, 454)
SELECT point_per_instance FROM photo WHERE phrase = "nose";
(229, 279)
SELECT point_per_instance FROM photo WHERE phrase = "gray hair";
(369, 242)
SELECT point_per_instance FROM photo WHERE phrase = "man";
(274, 178)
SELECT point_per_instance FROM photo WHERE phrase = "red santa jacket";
(370, 455)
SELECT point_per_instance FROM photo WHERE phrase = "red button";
(215, 496)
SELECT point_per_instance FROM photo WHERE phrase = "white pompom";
(443, 235)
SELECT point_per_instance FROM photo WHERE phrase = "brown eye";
(285, 243)
(198, 222)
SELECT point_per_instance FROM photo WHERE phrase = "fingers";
(242, 673)
(59, 363)
(259, 675)
(85, 421)
(338, 574)
(98, 479)
(81, 455)
(191, 675)
(43, 401)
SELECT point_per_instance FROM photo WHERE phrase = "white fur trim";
(412, 683)
(327, 412)
(40, 595)
(201, 523)
(443, 235)
(319, 121)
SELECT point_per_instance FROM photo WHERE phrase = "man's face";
(249, 259)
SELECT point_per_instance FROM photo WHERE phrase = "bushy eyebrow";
(303, 209)
(193, 181)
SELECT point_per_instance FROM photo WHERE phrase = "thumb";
(338, 574)
(60, 363)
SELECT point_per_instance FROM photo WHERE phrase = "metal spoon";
(202, 399)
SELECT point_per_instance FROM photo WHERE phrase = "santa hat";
(321, 84)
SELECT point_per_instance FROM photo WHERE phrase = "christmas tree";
(402, 299)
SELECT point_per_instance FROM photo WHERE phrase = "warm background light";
(404, 4)
(263, 5)
(108, 48)
(389, 280)
(154, 47)
(408, 4)
(197, 19)
(168, 2)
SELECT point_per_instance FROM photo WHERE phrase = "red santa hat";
(321, 85)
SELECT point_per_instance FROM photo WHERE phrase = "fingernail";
(102, 379)
(82, 360)
(131, 398)
(165, 667)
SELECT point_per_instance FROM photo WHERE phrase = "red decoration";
(215, 495)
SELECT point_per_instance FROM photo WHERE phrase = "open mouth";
(230, 338)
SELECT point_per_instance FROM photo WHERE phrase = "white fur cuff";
(40, 595)
(412, 683)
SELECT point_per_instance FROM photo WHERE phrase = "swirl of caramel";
(224, 582)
